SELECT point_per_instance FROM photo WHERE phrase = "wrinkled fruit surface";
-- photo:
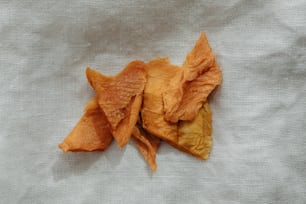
(151, 102)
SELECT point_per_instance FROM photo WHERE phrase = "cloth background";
(259, 111)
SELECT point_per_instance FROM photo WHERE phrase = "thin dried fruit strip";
(91, 132)
(147, 145)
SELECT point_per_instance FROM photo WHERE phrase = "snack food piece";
(125, 128)
(91, 132)
(115, 93)
(171, 100)
(185, 94)
(147, 145)
(160, 72)
(120, 98)
(195, 94)
(194, 136)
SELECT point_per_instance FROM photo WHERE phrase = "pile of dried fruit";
(151, 102)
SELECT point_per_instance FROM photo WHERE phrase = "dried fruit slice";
(199, 67)
(195, 136)
(124, 130)
(155, 124)
(91, 132)
(120, 97)
(195, 94)
(115, 93)
(147, 145)
(160, 72)
(199, 60)
(172, 101)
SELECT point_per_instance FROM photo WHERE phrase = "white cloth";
(259, 150)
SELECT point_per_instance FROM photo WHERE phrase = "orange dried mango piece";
(195, 94)
(199, 60)
(160, 72)
(124, 130)
(156, 125)
(147, 145)
(91, 132)
(120, 97)
(189, 136)
(194, 136)
(115, 93)
(186, 93)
